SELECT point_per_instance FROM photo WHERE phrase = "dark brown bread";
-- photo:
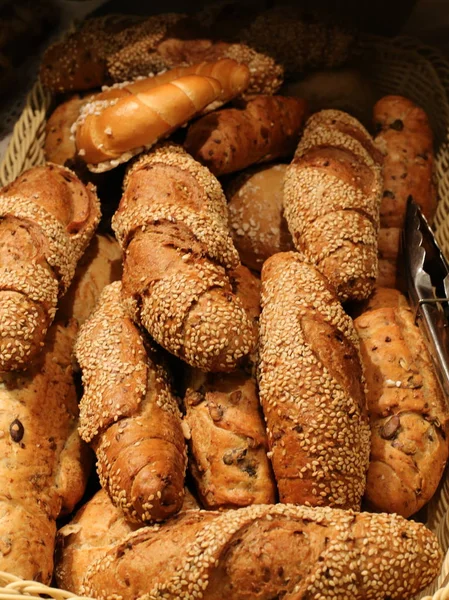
(172, 225)
(129, 414)
(256, 218)
(332, 194)
(408, 414)
(265, 552)
(406, 140)
(47, 220)
(311, 387)
(264, 128)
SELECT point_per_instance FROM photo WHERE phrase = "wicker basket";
(396, 66)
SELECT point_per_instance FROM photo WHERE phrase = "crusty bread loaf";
(129, 415)
(266, 551)
(172, 225)
(48, 219)
(262, 129)
(256, 218)
(311, 387)
(391, 272)
(332, 194)
(100, 265)
(59, 145)
(408, 414)
(406, 140)
(382, 297)
(109, 132)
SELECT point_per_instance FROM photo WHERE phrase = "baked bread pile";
(251, 439)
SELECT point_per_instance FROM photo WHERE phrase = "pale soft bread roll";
(256, 219)
(311, 387)
(281, 550)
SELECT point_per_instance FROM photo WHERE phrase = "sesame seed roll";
(266, 552)
(47, 220)
(172, 225)
(129, 414)
(311, 387)
(332, 193)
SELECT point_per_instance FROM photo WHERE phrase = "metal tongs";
(428, 286)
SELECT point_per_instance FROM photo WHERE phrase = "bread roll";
(262, 129)
(405, 138)
(129, 415)
(265, 552)
(391, 272)
(331, 200)
(311, 387)
(47, 220)
(256, 218)
(380, 298)
(59, 145)
(408, 414)
(172, 226)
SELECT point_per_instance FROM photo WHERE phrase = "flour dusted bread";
(332, 192)
(48, 219)
(405, 138)
(311, 387)
(294, 551)
(256, 218)
(129, 414)
(172, 226)
(408, 414)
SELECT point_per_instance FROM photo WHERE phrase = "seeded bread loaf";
(408, 414)
(262, 129)
(172, 226)
(405, 138)
(311, 387)
(129, 415)
(47, 220)
(332, 193)
(256, 218)
(264, 551)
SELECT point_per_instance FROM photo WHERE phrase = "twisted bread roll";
(266, 552)
(129, 415)
(263, 129)
(408, 414)
(406, 140)
(47, 220)
(311, 387)
(109, 132)
(256, 218)
(332, 193)
(172, 226)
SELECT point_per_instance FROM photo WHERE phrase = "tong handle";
(436, 329)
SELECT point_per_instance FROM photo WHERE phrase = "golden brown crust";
(311, 387)
(408, 414)
(263, 129)
(48, 219)
(256, 219)
(129, 414)
(406, 140)
(44, 461)
(172, 222)
(228, 445)
(59, 146)
(265, 551)
(331, 199)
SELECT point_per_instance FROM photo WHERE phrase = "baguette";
(172, 226)
(332, 193)
(311, 387)
(405, 137)
(266, 552)
(256, 219)
(109, 132)
(408, 414)
(263, 129)
(129, 415)
(48, 219)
